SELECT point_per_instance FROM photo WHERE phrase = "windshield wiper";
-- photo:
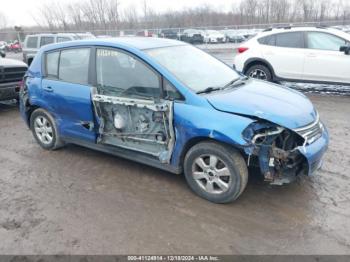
(237, 81)
(208, 90)
(233, 83)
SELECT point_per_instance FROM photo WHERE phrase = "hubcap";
(211, 174)
(259, 74)
(43, 130)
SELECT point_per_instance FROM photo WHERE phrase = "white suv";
(304, 54)
(32, 43)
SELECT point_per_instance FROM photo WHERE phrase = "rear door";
(324, 61)
(286, 53)
(67, 92)
(130, 109)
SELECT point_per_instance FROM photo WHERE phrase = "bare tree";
(131, 17)
(74, 12)
(102, 16)
(113, 13)
(3, 20)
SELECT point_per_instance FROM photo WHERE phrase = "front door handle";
(48, 89)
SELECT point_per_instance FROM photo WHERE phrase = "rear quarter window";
(32, 42)
(63, 39)
(290, 40)
(45, 40)
(268, 40)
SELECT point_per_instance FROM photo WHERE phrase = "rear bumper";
(9, 91)
(314, 153)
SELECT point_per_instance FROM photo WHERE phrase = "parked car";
(145, 33)
(233, 37)
(304, 54)
(11, 74)
(213, 36)
(169, 33)
(139, 99)
(104, 36)
(192, 36)
(14, 47)
(3, 46)
(32, 43)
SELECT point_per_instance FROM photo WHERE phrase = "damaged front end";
(276, 150)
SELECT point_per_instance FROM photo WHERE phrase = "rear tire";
(44, 129)
(215, 172)
(259, 71)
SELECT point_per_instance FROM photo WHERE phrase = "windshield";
(193, 67)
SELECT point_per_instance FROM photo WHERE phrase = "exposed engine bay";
(142, 125)
(275, 150)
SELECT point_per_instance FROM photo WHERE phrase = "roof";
(272, 31)
(140, 43)
(58, 34)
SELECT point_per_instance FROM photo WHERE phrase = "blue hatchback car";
(170, 105)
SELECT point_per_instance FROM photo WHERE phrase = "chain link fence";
(175, 33)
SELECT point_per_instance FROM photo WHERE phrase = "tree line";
(107, 15)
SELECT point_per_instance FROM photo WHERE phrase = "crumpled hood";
(274, 103)
(11, 63)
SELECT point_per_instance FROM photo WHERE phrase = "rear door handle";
(48, 89)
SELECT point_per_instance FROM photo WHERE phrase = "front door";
(324, 61)
(129, 106)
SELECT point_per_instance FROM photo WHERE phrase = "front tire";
(43, 127)
(259, 71)
(215, 172)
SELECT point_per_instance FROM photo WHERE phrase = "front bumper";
(314, 152)
(9, 91)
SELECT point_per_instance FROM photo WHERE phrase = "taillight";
(242, 49)
(22, 85)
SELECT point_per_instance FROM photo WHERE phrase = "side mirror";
(2, 54)
(345, 49)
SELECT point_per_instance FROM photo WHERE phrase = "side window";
(52, 64)
(170, 92)
(324, 41)
(268, 40)
(121, 74)
(32, 42)
(63, 39)
(45, 40)
(291, 40)
(74, 65)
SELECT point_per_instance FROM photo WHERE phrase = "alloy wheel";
(258, 74)
(43, 130)
(211, 174)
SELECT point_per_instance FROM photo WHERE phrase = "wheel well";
(194, 141)
(258, 62)
(31, 109)
(30, 60)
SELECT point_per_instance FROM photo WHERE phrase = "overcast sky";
(21, 12)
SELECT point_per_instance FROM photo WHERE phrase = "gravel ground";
(78, 201)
